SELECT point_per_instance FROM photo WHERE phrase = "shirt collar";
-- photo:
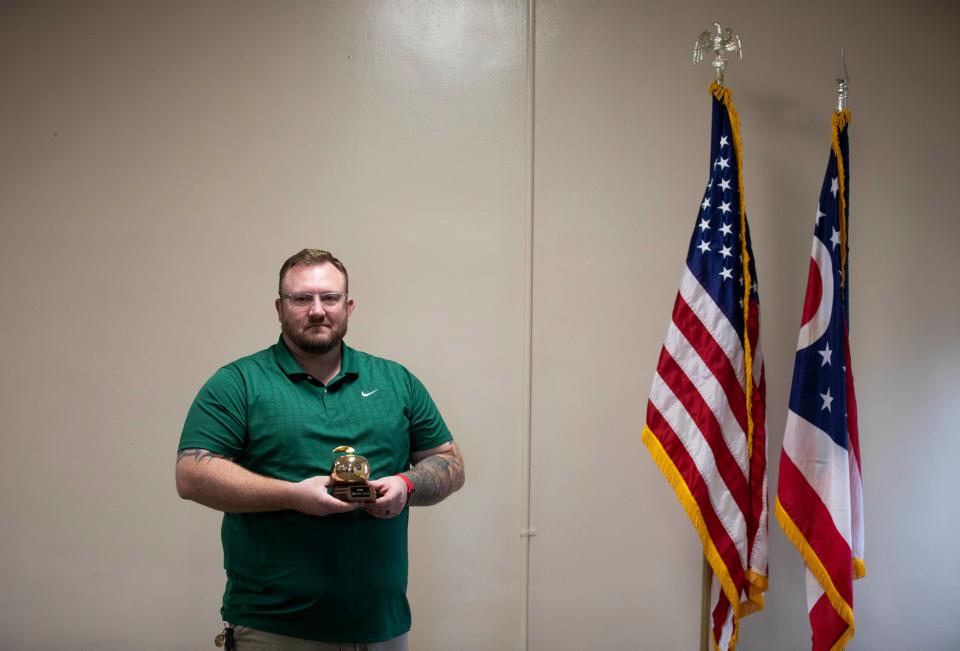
(349, 366)
(348, 361)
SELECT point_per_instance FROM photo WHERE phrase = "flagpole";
(821, 511)
(705, 576)
(719, 42)
(708, 42)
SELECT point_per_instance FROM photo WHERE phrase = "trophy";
(349, 476)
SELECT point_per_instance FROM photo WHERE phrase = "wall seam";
(526, 458)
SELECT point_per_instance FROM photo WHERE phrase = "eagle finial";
(720, 41)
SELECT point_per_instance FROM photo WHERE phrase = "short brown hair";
(311, 257)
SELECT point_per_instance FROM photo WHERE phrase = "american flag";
(710, 447)
(819, 495)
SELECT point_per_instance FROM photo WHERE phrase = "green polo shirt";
(339, 578)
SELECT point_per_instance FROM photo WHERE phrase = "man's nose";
(316, 307)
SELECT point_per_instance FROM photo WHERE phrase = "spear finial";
(843, 80)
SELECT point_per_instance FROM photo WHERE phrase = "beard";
(315, 341)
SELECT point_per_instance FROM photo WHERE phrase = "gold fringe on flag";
(858, 568)
(689, 504)
(757, 583)
(724, 95)
(816, 567)
(840, 121)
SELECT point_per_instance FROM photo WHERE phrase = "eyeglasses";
(303, 300)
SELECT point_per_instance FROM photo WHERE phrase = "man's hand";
(391, 497)
(312, 498)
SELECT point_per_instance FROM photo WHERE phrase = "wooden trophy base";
(354, 492)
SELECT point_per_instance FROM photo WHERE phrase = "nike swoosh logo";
(367, 394)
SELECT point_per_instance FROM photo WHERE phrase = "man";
(306, 570)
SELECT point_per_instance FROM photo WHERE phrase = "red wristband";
(407, 481)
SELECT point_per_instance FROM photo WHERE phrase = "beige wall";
(159, 161)
(622, 129)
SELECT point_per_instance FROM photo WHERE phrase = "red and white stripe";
(698, 413)
(820, 491)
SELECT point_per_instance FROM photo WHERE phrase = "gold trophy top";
(349, 468)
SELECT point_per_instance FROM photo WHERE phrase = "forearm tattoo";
(436, 477)
(198, 455)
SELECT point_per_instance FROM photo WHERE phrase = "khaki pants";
(251, 639)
